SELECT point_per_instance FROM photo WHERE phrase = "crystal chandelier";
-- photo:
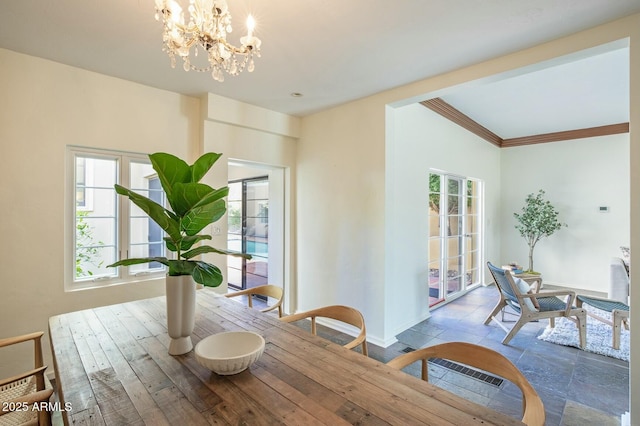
(206, 31)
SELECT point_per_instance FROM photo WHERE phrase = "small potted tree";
(538, 219)
(194, 206)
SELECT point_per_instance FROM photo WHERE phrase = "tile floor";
(577, 387)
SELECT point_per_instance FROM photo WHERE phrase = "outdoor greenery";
(86, 251)
(452, 189)
(194, 206)
(538, 219)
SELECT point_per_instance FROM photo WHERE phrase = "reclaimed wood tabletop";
(112, 367)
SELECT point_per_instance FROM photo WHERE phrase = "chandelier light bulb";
(206, 29)
(251, 24)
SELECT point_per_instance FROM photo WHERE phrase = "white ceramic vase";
(181, 310)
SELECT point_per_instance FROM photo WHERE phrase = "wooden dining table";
(112, 367)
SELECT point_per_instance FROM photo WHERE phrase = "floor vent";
(458, 368)
(487, 378)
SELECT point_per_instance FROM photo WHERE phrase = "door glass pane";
(235, 265)
(257, 232)
(248, 215)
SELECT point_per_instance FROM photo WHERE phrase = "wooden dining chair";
(485, 359)
(267, 290)
(341, 313)
(26, 388)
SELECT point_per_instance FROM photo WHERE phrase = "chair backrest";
(484, 359)
(342, 313)
(26, 388)
(267, 290)
(505, 284)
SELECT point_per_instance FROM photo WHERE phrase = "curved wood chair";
(25, 389)
(485, 359)
(345, 314)
(268, 290)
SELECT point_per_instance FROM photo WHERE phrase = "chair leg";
(582, 328)
(516, 327)
(617, 325)
(500, 306)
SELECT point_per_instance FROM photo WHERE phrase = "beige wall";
(578, 177)
(341, 211)
(46, 106)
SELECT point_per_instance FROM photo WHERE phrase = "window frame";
(122, 275)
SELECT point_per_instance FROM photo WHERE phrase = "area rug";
(599, 335)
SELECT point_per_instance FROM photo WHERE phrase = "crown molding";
(449, 112)
(590, 132)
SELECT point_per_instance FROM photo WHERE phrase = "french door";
(248, 231)
(455, 240)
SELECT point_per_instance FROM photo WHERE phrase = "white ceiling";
(335, 51)
(588, 92)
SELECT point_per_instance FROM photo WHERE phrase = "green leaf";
(214, 195)
(208, 249)
(199, 217)
(171, 170)
(156, 212)
(181, 267)
(187, 241)
(206, 274)
(187, 195)
(202, 165)
(136, 261)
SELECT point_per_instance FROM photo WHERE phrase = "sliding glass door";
(248, 231)
(455, 240)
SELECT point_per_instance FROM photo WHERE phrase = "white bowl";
(230, 352)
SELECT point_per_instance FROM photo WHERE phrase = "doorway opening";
(455, 240)
(256, 224)
(248, 232)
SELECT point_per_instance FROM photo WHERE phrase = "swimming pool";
(257, 247)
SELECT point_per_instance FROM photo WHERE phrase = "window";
(107, 227)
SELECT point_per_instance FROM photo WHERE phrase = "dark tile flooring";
(577, 387)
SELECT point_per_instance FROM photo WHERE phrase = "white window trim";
(122, 275)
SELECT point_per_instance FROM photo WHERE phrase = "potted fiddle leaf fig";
(538, 219)
(194, 206)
